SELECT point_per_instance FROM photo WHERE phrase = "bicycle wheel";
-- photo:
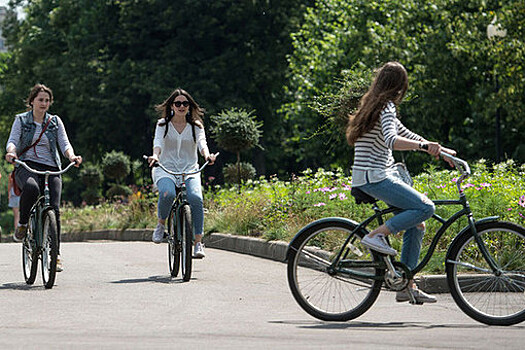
(331, 294)
(173, 244)
(186, 242)
(49, 248)
(490, 298)
(29, 254)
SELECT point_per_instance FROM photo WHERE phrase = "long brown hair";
(195, 112)
(390, 84)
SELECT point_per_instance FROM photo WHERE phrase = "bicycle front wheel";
(186, 242)
(493, 298)
(49, 248)
(29, 254)
(333, 293)
(173, 244)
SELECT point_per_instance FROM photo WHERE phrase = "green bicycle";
(335, 278)
(41, 242)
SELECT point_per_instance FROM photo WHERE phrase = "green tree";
(116, 166)
(236, 130)
(450, 62)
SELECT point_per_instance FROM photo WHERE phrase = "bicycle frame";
(42, 203)
(445, 224)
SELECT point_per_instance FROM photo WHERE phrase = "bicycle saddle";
(362, 197)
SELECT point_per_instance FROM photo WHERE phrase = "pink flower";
(342, 196)
(308, 192)
(521, 202)
(319, 204)
(332, 196)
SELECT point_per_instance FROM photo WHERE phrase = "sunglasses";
(183, 103)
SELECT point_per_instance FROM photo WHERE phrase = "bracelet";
(420, 145)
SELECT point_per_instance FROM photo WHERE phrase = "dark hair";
(38, 88)
(195, 112)
(390, 84)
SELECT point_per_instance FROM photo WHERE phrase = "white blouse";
(178, 150)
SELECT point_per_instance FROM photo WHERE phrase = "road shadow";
(20, 286)
(374, 326)
(157, 279)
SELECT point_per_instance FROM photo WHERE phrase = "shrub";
(231, 173)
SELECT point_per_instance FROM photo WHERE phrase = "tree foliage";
(110, 61)
(451, 64)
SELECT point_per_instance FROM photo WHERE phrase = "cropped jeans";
(167, 192)
(414, 209)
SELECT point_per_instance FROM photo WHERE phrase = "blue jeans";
(414, 209)
(167, 194)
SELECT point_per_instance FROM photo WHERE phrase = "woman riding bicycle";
(178, 135)
(375, 131)
(36, 138)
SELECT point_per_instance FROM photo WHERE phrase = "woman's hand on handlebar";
(10, 157)
(451, 152)
(76, 159)
(152, 160)
(211, 158)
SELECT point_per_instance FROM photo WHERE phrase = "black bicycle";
(335, 278)
(41, 241)
(180, 229)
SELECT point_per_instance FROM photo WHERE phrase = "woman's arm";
(14, 136)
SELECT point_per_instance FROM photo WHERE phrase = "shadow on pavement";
(378, 325)
(158, 279)
(20, 286)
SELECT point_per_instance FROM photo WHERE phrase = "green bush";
(116, 165)
(231, 173)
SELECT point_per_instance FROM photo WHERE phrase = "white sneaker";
(60, 267)
(198, 250)
(420, 296)
(158, 234)
(379, 244)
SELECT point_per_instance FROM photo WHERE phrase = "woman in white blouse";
(179, 134)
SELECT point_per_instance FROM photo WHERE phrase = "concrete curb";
(274, 250)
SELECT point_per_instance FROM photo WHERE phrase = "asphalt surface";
(118, 295)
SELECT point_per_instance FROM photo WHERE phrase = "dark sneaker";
(420, 296)
(20, 233)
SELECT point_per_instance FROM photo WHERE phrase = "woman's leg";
(29, 186)
(411, 249)
(167, 193)
(194, 192)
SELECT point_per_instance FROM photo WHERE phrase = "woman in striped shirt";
(375, 131)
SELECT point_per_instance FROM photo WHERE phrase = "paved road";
(119, 295)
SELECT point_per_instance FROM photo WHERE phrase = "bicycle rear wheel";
(186, 242)
(173, 244)
(337, 294)
(491, 298)
(49, 248)
(29, 254)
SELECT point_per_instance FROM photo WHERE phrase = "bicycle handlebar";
(46, 172)
(157, 163)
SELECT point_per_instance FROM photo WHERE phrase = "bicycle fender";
(293, 242)
(466, 228)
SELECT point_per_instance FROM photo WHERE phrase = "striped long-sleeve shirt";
(373, 151)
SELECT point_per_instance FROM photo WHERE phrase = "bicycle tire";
(493, 299)
(331, 296)
(173, 244)
(186, 242)
(49, 253)
(29, 255)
